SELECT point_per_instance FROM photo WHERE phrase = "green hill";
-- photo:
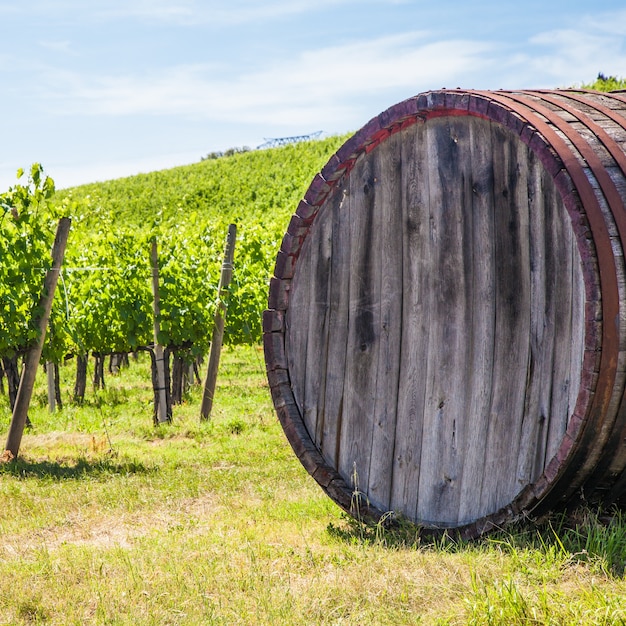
(263, 185)
(187, 209)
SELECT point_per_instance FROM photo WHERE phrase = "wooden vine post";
(51, 386)
(218, 329)
(31, 361)
(162, 412)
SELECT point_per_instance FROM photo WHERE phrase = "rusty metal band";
(616, 204)
(590, 444)
(620, 120)
(613, 197)
(612, 456)
(616, 456)
(615, 95)
(608, 277)
(609, 143)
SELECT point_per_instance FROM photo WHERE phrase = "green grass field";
(106, 519)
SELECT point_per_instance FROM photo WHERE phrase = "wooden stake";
(31, 361)
(218, 328)
(162, 412)
(51, 386)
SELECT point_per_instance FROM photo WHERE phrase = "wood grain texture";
(390, 290)
(483, 306)
(415, 340)
(446, 305)
(444, 426)
(363, 333)
(415, 299)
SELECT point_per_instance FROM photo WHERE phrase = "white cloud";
(167, 11)
(332, 87)
(608, 23)
(253, 11)
(565, 56)
(334, 82)
(57, 46)
(316, 84)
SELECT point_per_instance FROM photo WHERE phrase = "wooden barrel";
(446, 331)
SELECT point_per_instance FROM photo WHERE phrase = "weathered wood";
(512, 323)
(162, 408)
(317, 311)
(331, 417)
(31, 361)
(363, 325)
(217, 338)
(454, 330)
(417, 271)
(483, 307)
(51, 386)
(444, 393)
(390, 294)
(310, 298)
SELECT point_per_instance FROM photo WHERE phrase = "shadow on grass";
(80, 469)
(584, 536)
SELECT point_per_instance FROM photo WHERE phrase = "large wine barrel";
(446, 330)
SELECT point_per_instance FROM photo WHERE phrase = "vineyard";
(103, 303)
(108, 518)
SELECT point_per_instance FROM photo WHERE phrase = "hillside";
(105, 303)
(244, 187)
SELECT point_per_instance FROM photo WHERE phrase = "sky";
(100, 89)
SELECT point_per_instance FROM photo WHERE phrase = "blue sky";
(98, 89)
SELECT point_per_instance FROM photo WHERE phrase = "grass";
(106, 519)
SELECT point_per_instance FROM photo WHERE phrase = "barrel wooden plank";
(417, 273)
(603, 131)
(309, 324)
(555, 336)
(591, 438)
(480, 360)
(390, 294)
(578, 324)
(512, 322)
(563, 290)
(330, 418)
(297, 322)
(363, 324)
(612, 207)
(320, 253)
(539, 373)
(430, 470)
(304, 325)
(444, 408)
(545, 320)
